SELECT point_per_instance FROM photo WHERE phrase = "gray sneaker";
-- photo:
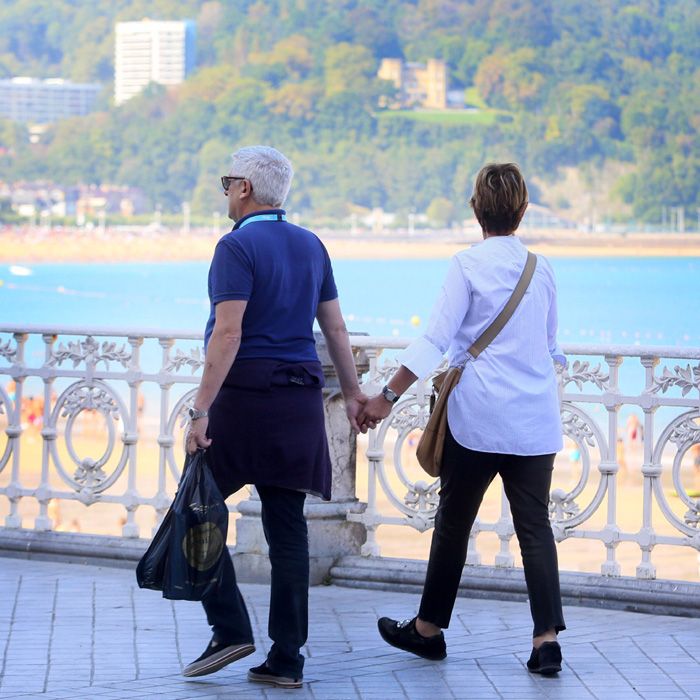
(215, 657)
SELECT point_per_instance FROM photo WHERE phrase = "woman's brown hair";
(500, 198)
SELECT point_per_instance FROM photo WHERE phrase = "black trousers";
(465, 476)
(286, 533)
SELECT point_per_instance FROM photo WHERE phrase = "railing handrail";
(357, 341)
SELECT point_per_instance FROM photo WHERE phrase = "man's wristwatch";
(389, 394)
(195, 413)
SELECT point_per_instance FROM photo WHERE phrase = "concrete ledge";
(661, 597)
(406, 575)
(74, 548)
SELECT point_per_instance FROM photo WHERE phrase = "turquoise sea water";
(650, 301)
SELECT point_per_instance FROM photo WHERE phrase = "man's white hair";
(269, 172)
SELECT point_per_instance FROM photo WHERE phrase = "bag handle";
(485, 339)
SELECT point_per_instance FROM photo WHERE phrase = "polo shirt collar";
(265, 212)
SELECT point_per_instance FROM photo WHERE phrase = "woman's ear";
(520, 214)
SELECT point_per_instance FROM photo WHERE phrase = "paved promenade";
(71, 631)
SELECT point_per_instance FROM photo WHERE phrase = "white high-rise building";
(151, 52)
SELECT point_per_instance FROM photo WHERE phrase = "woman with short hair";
(503, 418)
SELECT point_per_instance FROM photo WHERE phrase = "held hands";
(353, 407)
(375, 409)
(196, 437)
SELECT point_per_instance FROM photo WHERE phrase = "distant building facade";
(418, 84)
(31, 199)
(36, 101)
(152, 52)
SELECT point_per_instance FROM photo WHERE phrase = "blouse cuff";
(558, 355)
(421, 357)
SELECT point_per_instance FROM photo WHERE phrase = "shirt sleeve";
(552, 324)
(426, 352)
(329, 291)
(231, 272)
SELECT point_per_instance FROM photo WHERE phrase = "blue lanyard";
(263, 217)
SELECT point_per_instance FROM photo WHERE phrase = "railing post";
(14, 433)
(165, 440)
(331, 534)
(651, 472)
(609, 468)
(131, 438)
(48, 434)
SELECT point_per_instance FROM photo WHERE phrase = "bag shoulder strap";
(485, 339)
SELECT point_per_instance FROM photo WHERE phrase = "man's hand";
(353, 407)
(375, 409)
(197, 435)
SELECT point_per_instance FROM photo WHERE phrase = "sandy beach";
(115, 245)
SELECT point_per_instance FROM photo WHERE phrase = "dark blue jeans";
(285, 530)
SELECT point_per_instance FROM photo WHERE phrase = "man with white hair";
(259, 407)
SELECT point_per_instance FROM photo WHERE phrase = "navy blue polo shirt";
(283, 271)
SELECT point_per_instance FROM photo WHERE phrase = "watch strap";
(389, 394)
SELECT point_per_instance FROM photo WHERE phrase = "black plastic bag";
(151, 569)
(186, 558)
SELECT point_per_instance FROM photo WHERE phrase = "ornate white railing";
(669, 384)
(77, 375)
(62, 376)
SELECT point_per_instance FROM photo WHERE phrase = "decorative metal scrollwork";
(8, 351)
(6, 409)
(178, 418)
(579, 372)
(385, 371)
(683, 432)
(420, 498)
(89, 352)
(423, 497)
(687, 378)
(89, 398)
(94, 397)
(586, 434)
(194, 360)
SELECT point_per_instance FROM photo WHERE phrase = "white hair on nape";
(269, 172)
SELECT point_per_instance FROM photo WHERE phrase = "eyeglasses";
(226, 180)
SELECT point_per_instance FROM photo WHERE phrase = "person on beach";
(503, 418)
(259, 408)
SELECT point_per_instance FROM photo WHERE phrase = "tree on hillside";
(511, 80)
(349, 68)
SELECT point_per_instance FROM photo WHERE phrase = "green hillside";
(558, 83)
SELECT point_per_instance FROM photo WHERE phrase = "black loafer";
(545, 660)
(403, 635)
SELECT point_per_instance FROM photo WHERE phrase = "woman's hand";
(376, 409)
(197, 435)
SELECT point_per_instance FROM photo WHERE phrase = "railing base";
(97, 550)
(660, 597)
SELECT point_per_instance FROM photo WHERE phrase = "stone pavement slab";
(88, 632)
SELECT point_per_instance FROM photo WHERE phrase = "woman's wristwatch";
(196, 414)
(389, 394)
